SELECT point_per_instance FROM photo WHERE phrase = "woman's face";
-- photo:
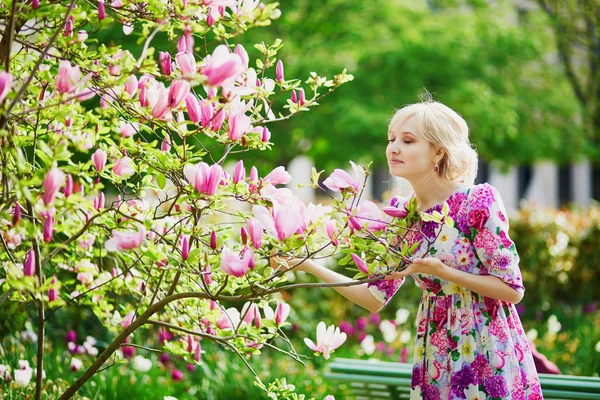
(409, 155)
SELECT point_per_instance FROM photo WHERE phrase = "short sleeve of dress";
(383, 290)
(488, 224)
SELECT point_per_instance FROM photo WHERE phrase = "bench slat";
(387, 380)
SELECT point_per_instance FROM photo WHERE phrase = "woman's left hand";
(429, 266)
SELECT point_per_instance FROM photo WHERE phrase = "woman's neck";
(433, 191)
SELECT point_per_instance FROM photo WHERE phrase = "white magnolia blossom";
(553, 325)
(23, 377)
(405, 337)
(141, 364)
(388, 330)
(402, 316)
(368, 344)
(76, 364)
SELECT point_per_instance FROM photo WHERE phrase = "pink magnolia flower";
(52, 182)
(16, 217)
(240, 51)
(128, 240)
(128, 129)
(328, 339)
(198, 352)
(203, 178)
(69, 26)
(253, 176)
(218, 119)
(340, 180)
(213, 240)
(71, 336)
(223, 68)
(239, 173)
(29, 265)
(294, 97)
(177, 92)
(239, 124)
(362, 266)
(369, 215)
(68, 77)
(68, 186)
(82, 36)
(129, 318)
(53, 291)
(186, 63)
(98, 201)
(99, 159)
(279, 71)
(48, 228)
(161, 108)
(283, 224)
(331, 230)
(278, 176)
(395, 212)
(189, 39)
(193, 108)
(35, 4)
(234, 265)
(165, 62)
(101, 10)
(301, 99)
(206, 111)
(185, 247)
(255, 232)
(166, 144)
(281, 313)
(176, 375)
(123, 167)
(131, 85)
(229, 319)
(5, 84)
(251, 314)
(265, 135)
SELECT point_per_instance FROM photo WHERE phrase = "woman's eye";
(408, 141)
(391, 140)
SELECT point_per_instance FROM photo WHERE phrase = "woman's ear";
(439, 155)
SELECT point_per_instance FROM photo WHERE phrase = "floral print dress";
(469, 346)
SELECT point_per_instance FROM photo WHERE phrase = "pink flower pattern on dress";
(465, 328)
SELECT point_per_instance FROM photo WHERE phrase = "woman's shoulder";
(399, 201)
(482, 196)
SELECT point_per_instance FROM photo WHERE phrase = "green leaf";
(161, 180)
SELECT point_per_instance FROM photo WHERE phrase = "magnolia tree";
(113, 194)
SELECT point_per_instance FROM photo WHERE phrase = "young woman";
(470, 343)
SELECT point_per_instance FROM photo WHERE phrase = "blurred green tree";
(489, 62)
(575, 26)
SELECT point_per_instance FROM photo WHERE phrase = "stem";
(41, 317)
(114, 346)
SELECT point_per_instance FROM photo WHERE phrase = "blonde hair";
(445, 129)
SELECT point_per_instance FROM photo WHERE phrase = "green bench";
(387, 380)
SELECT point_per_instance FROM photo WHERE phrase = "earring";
(436, 168)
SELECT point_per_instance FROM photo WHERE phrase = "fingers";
(396, 275)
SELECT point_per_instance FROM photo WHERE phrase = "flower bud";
(16, 217)
(68, 186)
(213, 240)
(279, 71)
(52, 292)
(101, 10)
(185, 248)
(29, 265)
